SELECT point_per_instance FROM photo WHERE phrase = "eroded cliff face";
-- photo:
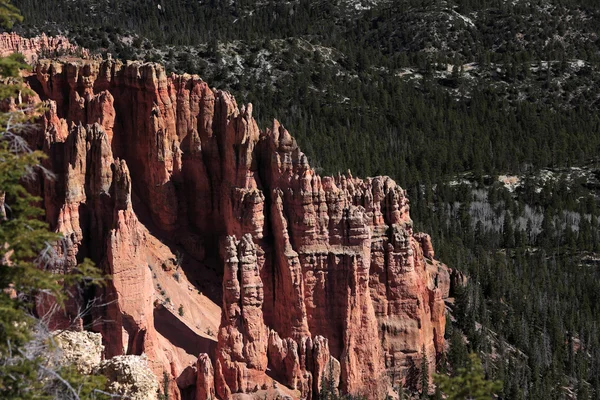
(32, 48)
(323, 278)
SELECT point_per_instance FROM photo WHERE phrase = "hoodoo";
(174, 190)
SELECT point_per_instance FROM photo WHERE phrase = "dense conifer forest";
(444, 96)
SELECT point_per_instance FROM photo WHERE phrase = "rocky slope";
(168, 185)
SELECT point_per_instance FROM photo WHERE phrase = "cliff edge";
(234, 265)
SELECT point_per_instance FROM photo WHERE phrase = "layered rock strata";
(324, 280)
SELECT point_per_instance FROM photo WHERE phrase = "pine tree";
(424, 374)
(508, 231)
(469, 383)
(9, 14)
(165, 387)
(26, 368)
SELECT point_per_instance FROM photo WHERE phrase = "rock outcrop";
(205, 379)
(242, 349)
(323, 278)
(130, 377)
(33, 48)
(83, 350)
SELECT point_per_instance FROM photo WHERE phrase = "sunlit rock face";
(323, 278)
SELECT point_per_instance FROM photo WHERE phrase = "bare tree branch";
(64, 382)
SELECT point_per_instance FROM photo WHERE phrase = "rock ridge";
(323, 278)
(32, 48)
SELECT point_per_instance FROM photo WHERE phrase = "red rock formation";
(305, 365)
(36, 46)
(242, 348)
(205, 383)
(319, 273)
(425, 242)
(326, 369)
